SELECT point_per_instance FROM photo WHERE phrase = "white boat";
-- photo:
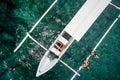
(54, 53)
(75, 30)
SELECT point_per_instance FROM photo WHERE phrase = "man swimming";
(86, 64)
(94, 55)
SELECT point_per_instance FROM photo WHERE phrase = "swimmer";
(86, 64)
(94, 55)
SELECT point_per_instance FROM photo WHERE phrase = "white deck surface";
(85, 17)
(55, 51)
(63, 40)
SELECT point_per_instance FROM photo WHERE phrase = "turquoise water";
(18, 16)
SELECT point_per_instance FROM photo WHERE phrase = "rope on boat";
(35, 25)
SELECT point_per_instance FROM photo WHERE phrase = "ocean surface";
(18, 16)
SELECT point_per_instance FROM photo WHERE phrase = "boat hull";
(47, 62)
(53, 54)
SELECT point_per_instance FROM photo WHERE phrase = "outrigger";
(96, 46)
(75, 30)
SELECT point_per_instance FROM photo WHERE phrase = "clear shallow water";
(18, 16)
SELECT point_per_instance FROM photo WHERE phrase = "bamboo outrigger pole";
(69, 67)
(115, 6)
(97, 44)
(36, 41)
(76, 74)
(106, 33)
(35, 25)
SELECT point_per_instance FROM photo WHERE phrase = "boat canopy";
(85, 17)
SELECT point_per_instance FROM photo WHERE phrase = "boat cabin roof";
(85, 17)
